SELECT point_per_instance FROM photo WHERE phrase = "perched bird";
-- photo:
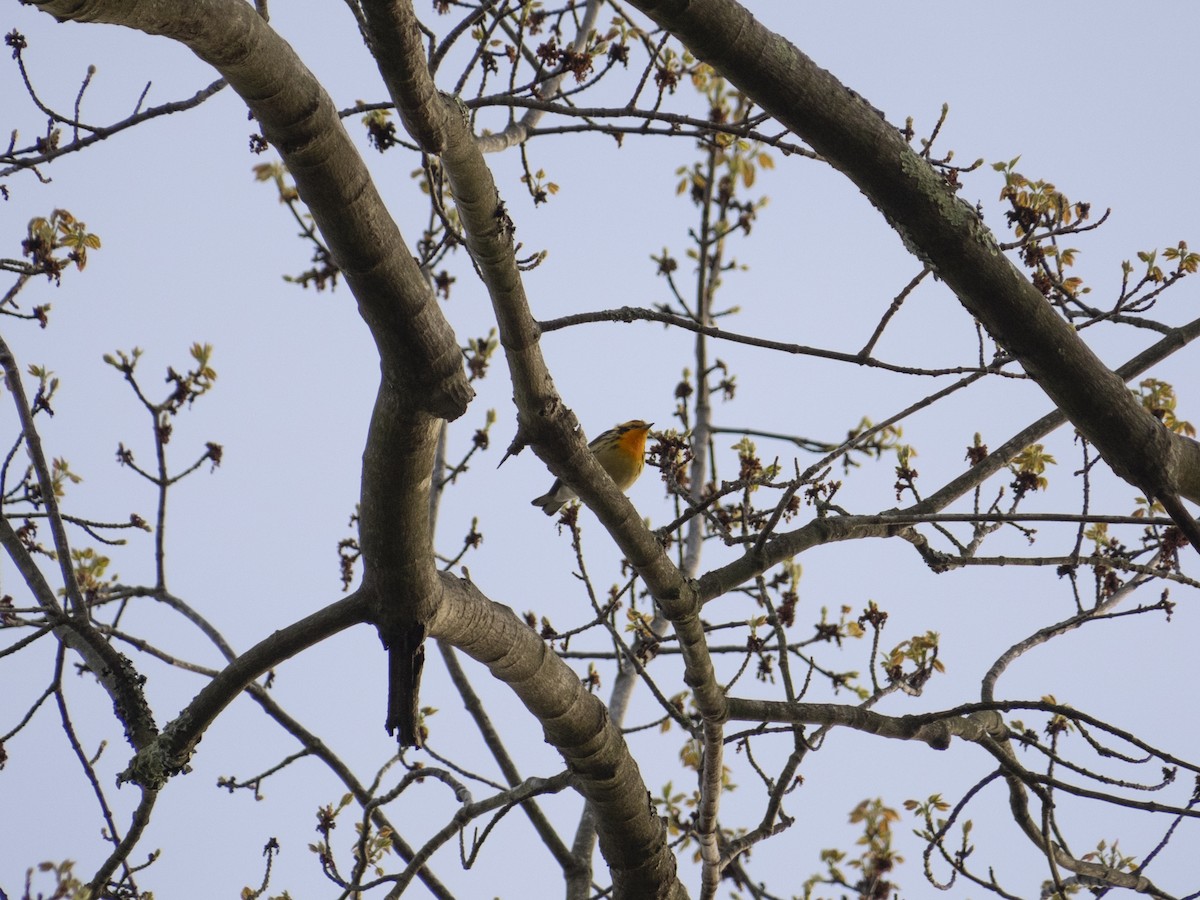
(621, 451)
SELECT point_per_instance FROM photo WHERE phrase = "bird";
(621, 451)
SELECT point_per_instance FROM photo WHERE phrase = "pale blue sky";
(1090, 97)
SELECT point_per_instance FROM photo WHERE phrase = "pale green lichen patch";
(153, 765)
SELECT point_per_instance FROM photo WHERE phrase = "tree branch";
(575, 721)
(168, 754)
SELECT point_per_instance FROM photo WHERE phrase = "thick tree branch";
(297, 116)
(422, 371)
(943, 231)
(395, 533)
(312, 744)
(574, 721)
(631, 835)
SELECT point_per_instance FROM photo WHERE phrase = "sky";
(1087, 96)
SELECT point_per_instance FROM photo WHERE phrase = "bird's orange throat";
(633, 441)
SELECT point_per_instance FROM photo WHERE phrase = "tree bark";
(632, 837)
(422, 377)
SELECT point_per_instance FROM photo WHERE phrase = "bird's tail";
(548, 503)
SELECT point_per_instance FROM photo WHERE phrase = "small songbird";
(621, 451)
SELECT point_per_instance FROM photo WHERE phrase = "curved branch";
(297, 116)
(574, 721)
(169, 753)
(312, 744)
(633, 314)
(521, 794)
(1042, 635)
(676, 124)
(475, 708)
(1017, 778)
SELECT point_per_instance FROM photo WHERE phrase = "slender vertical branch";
(48, 497)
